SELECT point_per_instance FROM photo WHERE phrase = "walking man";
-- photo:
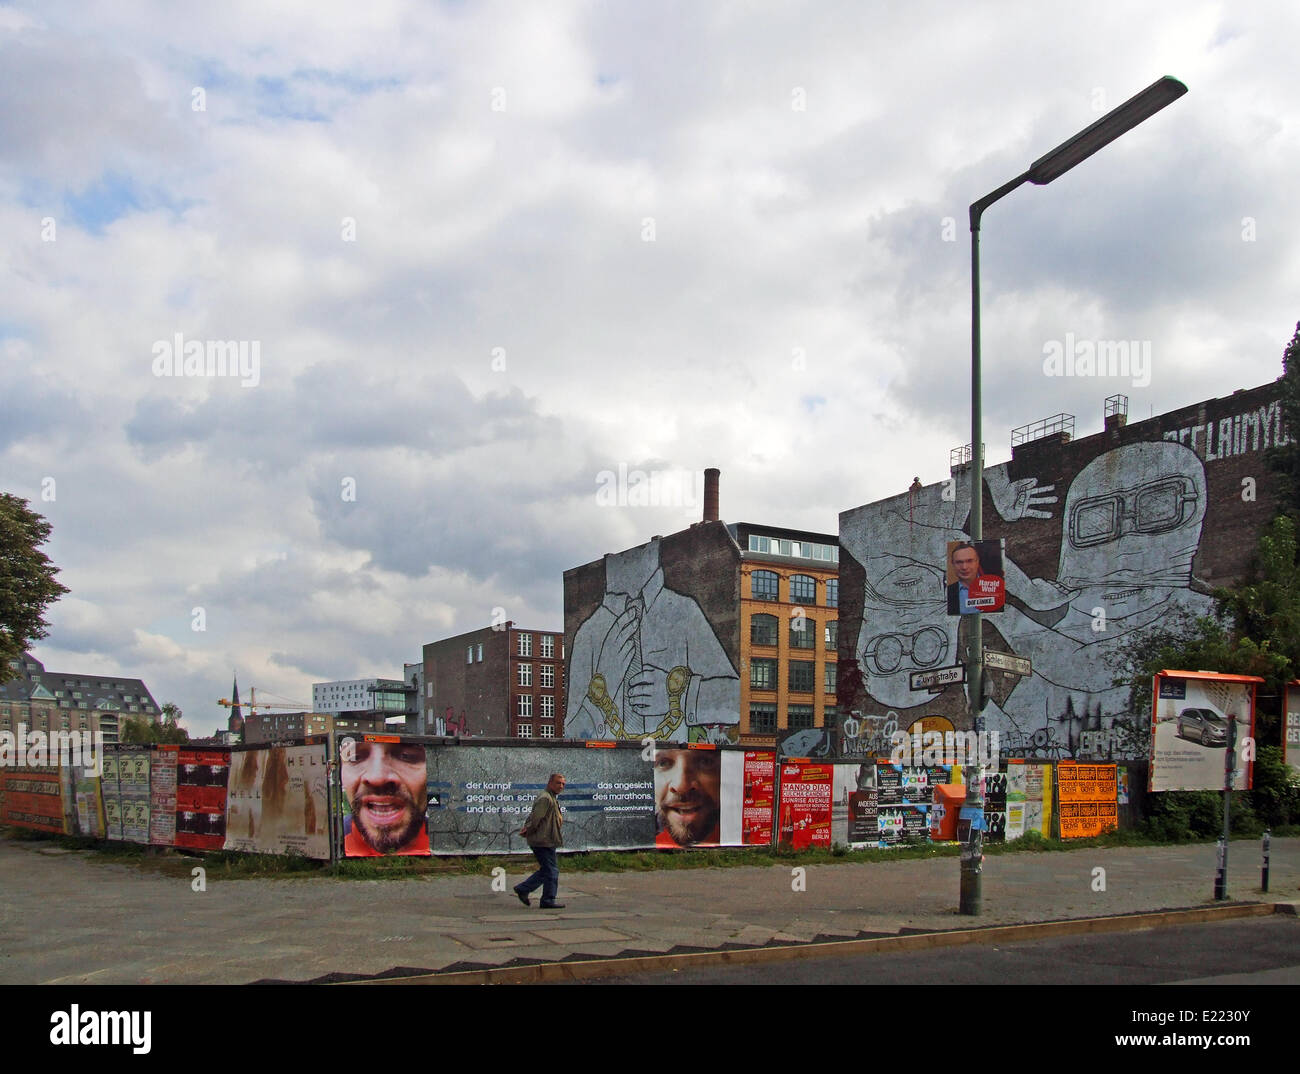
(543, 834)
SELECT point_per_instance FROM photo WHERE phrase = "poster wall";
(1087, 796)
(162, 796)
(1189, 729)
(110, 794)
(853, 806)
(89, 808)
(201, 798)
(805, 810)
(133, 787)
(1028, 799)
(33, 798)
(276, 800)
(904, 794)
(480, 796)
(758, 801)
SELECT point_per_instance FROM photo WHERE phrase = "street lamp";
(1046, 168)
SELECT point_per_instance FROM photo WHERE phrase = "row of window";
(764, 585)
(546, 647)
(763, 630)
(776, 546)
(801, 676)
(762, 717)
(545, 678)
(545, 705)
(525, 730)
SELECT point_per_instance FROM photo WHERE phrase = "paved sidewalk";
(66, 917)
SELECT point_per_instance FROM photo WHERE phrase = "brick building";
(732, 631)
(1105, 536)
(501, 681)
(53, 701)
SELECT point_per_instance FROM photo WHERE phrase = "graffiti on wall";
(1130, 526)
(647, 662)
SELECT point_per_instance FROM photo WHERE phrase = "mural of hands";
(1018, 499)
(647, 693)
(618, 650)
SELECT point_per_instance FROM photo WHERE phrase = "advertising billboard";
(276, 799)
(1191, 713)
(1291, 728)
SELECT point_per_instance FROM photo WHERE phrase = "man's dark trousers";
(547, 876)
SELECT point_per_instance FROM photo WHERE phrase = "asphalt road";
(1246, 951)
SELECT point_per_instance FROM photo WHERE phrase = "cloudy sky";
(484, 253)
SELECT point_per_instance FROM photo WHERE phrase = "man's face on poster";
(386, 785)
(966, 565)
(687, 785)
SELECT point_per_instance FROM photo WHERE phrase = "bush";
(1276, 797)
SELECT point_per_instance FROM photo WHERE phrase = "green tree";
(167, 731)
(27, 583)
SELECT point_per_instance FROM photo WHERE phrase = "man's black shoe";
(523, 898)
(552, 905)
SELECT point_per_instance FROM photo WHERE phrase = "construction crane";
(252, 704)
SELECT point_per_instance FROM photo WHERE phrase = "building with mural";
(1103, 538)
(718, 633)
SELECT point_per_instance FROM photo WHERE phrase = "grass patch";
(230, 865)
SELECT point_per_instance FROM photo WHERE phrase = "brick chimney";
(711, 476)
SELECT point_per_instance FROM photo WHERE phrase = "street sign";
(1017, 665)
(925, 680)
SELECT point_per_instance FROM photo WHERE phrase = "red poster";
(760, 796)
(806, 804)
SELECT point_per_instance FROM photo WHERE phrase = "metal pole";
(1229, 763)
(1263, 882)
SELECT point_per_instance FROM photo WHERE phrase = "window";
(763, 585)
(762, 718)
(548, 707)
(801, 717)
(801, 676)
(763, 630)
(428, 689)
(762, 674)
(524, 705)
(803, 633)
(469, 654)
(803, 589)
(524, 730)
(525, 645)
(548, 676)
(480, 654)
(831, 678)
(547, 730)
(548, 646)
(525, 674)
(832, 592)
(833, 634)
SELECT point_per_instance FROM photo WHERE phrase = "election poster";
(480, 796)
(1086, 799)
(805, 810)
(975, 579)
(1191, 715)
(276, 801)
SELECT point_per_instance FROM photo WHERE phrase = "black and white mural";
(648, 663)
(1123, 529)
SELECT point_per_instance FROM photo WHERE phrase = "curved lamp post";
(1046, 168)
